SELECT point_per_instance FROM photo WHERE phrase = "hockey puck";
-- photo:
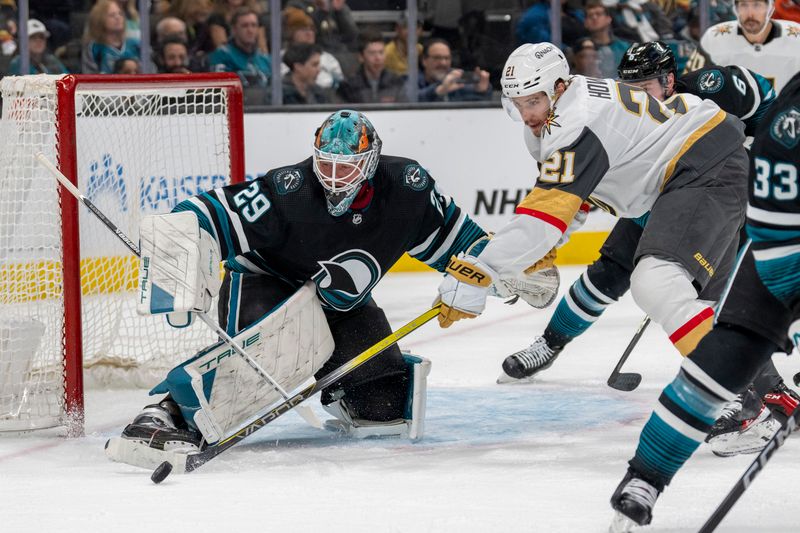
(161, 472)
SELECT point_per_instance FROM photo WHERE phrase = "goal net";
(133, 145)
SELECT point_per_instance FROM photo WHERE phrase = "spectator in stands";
(584, 58)
(241, 54)
(173, 56)
(439, 82)
(195, 14)
(610, 48)
(397, 48)
(132, 29)
(42, 61)
(127, 65)
(336, 29)
(299, 85)
(299, 28)
(372, 83)
(219, 23)
(55, 14)
(534, 26)
(639, 20)
(169, 27)
(104, 39)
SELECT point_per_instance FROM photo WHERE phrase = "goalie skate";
(157, 434)
(523, 365)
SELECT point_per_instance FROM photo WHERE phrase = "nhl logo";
(357, 219)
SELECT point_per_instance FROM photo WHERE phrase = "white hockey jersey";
(777, 60)
(610, 144)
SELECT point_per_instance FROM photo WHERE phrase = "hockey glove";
(538, 289)
(464, 289)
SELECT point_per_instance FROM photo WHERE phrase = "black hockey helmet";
(644, 61)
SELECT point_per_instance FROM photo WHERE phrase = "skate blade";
(505, 379)
(752, 440)
(621, 524)
(137, 454)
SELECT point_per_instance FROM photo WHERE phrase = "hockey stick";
(627, 381)
(752, 471)
(184, 463)
(307, 414)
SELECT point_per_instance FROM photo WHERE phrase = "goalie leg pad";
(412, 423)
(218, 391)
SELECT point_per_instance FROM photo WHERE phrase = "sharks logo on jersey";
(287, 181)
(785, 128)
(414, 176)
(711, 82)
(346, 280)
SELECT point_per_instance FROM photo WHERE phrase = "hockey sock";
(576, 312)
(686, 410)
(723, 365)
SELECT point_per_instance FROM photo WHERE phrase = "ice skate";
(155, 435)
(633, 502)
(526, 363)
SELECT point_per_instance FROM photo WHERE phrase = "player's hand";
(464, 289)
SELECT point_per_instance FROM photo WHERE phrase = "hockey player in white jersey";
(769, 47)
(624, 151)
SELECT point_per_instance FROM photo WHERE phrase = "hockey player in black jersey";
(761, 316)
(340, 219)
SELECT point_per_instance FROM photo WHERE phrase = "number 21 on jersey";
(558, 168)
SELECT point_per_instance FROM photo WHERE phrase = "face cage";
(362, 164)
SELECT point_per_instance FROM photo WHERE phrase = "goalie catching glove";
(179, 271)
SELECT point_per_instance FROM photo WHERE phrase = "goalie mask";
(346, 151)
(530, 69)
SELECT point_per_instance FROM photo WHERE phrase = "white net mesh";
(139, 151)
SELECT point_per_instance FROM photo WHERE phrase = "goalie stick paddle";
(307, 414)
(628, 381)
(752, 471)
(195, 460)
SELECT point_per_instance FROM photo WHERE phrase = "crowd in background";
(347, 51)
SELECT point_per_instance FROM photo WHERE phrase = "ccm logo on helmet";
(541, 53)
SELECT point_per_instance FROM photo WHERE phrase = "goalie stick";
(187, 462)
(628, 381)
(306, 413)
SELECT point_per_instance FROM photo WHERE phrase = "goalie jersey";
(615, 146)
(278, 225)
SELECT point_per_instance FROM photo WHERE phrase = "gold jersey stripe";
(712, 123)
(554, 202)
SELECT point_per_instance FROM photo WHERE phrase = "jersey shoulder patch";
(785, 127)
(415, 177)
(287, 180)
(790, 28)
(711, 81)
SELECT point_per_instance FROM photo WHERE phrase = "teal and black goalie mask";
(346, 152)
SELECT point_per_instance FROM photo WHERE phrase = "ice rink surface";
(540, 457)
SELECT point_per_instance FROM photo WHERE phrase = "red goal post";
(133, 145)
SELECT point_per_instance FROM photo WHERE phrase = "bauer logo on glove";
(464, 289)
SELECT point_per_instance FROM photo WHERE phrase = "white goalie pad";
(539, 289)
(20, 339)
(218, 392)
(179, 268)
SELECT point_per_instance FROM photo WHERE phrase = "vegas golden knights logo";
(510, 71)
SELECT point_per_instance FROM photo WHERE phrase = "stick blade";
(625, 381)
